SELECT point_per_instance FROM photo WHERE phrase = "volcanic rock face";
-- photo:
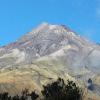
(50, 51)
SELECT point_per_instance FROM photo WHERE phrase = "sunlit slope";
(31, 76)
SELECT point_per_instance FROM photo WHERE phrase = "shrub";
(25, 95)
(58, 90)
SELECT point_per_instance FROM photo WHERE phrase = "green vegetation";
(25, 95)
(60, 91)
(57, 90)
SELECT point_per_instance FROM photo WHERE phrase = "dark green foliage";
(34, 95)
(57, 90)
(15, 98)
(60, 91)
(4, 96)
(73, 92)
(25, 95)
(90, 84)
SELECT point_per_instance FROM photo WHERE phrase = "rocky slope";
(48, 52)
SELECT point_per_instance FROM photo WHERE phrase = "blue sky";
(18, 17)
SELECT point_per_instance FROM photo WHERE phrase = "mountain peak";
(44, 23)
(48, 26)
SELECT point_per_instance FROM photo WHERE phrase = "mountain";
(45, 53)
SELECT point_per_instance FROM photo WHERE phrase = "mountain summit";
(51, 49)
(47, 39)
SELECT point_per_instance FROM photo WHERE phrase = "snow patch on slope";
(20, 55)
(60, 52)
